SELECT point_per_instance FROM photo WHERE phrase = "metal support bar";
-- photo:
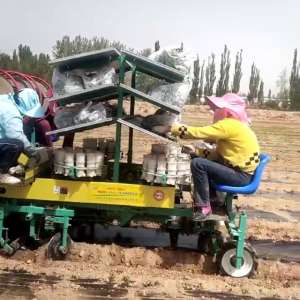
(32, 232)
(118, 125)
(3, 242)
(132, 105)
(241, 240)
(229, 210)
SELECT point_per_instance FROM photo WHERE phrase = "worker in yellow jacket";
(235, 157)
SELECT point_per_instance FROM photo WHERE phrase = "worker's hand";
(33, 153)
(163, 130)
(189, 149)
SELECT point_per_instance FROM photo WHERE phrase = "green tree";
(15, 65)
(237, 72)
(156, 46)
(270, 94)
(222, 87)
(5, 61)
(282, 84)
(254, 83)
(210, 76)
(195, 83)
(201, 81)
(295, 83)
(260, 95)
(145, 52)
(66, 46)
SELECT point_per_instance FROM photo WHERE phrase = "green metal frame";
(61, 216)
(119, 115)
(57, 216)
(236, 231)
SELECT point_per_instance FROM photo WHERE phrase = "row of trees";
(204, 85)
(294, 91)
(204, 82)
(24, 60)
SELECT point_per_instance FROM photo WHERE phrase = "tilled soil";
(97, 271)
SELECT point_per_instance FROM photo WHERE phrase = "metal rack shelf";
(129, 90)
(152, 68)
(82, 127)
(83, 58)
(123, 61)
(135, 125)
(101, 93)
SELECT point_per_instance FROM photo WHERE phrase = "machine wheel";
(173, 234)
(53, 251)
(226, 262)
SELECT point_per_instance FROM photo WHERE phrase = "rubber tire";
(53, 251)
(226, 267)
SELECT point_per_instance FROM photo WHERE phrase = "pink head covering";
(232, 102)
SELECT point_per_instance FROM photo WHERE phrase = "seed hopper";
(50, 202)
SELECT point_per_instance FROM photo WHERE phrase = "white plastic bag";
(91, 113)
(176, 94)
(76, 80)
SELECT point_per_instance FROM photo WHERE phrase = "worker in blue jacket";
(13, 107)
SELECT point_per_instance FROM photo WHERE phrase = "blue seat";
(254, 184)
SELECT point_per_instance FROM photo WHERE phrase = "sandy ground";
(160, 273)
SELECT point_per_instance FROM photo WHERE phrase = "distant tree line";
(204, 82)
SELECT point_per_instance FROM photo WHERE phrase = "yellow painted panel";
(93, 193)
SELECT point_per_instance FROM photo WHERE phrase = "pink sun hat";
(232, 102)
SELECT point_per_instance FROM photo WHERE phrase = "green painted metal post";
(65, 232)
(2, 241)
(241, 240)
(32, 232)
(229, 210)
(118, 125)
(33, 137)
(132, 105)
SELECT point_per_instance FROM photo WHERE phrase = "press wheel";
(53, 250)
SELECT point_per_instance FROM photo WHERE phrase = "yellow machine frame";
(86, 192)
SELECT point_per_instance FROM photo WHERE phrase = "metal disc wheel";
(227, 263)
(53, 251)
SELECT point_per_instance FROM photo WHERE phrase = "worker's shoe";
(8, 179)
(17, 170)
(202, 213)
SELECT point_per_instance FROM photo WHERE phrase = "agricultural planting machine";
(94, 184)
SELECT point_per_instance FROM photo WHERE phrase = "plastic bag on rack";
(64, 116)
(76, 80)
(91, 113)
(176, 94)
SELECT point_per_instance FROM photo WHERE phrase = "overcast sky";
(267, 30)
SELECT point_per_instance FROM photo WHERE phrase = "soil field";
(129, 264)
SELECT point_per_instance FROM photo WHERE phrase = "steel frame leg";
(3, 243)
(241, 240)
(237, 232)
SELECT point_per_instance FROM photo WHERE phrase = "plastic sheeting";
(77, 80)
(176, 94)
(79, 114)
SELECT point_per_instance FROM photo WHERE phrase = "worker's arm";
(14, 129)
(216, 131)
